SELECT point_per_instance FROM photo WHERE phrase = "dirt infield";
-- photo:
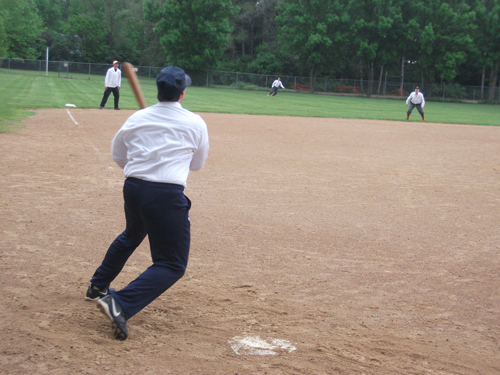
(345, 246)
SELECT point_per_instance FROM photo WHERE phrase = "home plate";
(71, 105)
(254, 345)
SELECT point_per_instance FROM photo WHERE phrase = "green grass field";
(20, 95)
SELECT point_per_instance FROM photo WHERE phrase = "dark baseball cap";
(171, 82)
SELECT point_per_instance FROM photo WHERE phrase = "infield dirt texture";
(371, 247)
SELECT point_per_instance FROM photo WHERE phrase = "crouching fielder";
(275, 86)
(416, 99)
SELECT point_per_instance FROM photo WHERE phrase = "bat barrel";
(134, 82)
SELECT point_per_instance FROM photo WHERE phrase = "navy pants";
(160, 211)
(107, 92)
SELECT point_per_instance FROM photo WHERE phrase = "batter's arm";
(119, 150)
(201, 154)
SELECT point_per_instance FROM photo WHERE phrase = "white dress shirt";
(416, 98)
(161, 143)
(113, 78)
(277, 83)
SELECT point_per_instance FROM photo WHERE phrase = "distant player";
(112, 84)
(416, 99)
(275, 86)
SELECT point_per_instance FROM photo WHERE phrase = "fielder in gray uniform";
(416, 99)
(275, 86)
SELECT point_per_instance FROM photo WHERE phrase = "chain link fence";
(247, 81)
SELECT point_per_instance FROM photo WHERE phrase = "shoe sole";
(93, 299)
(104, 308)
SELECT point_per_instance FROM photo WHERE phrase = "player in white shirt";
(112, 84)
(156, 147)
(416, 99)
(275, 86)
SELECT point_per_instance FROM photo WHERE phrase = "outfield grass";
(21, 94)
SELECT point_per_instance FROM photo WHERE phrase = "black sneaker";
(101, 107)
(94, 293)
(118, 109)
(112, 309)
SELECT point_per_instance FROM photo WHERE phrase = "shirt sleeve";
(423, 101)
(119, 78)
(201, 153)
(409, 97)
(119, 150)
(106, 80)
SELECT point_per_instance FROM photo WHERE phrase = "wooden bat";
(134, 82)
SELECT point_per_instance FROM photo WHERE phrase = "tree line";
(431, 41)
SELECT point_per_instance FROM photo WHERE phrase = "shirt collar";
(170, 104)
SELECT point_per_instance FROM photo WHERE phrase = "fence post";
(443, 91)
(90, 65)
(236, 86)
(402, 76)
(295, 87)
(385, 83)
(207, 78)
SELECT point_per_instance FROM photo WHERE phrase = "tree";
(108, 29)
(486, 47)
(152, 52)
(129, 41)
(311, 32)
(244, 26)
(253, 45)
(443, 34)
(3, 37)
(194, 33)
(51, 12)
(54, 17)
(22, 26)
(372, 30)
(91, 41)
(254, 24)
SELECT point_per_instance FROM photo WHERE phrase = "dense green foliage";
(21, 27)
(428, 41)
(193, 33)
